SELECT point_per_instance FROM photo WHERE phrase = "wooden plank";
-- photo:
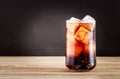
(53, 67)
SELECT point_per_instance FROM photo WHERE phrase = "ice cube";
(90, 20)
(86, 25)
(82, 35)
(73, 20)
(69, 35)
(72, 25)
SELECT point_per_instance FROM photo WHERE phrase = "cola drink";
(81, 43)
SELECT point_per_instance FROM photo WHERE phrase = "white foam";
(88, 19)
(73, 20)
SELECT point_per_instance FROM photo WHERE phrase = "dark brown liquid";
(82, 62)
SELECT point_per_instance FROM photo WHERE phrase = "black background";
(37, 27)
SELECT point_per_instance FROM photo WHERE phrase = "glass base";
(80, 68)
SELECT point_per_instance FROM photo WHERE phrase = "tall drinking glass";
(81, 43)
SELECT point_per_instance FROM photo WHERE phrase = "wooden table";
(52, 67)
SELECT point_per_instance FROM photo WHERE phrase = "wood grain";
(53, 67)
